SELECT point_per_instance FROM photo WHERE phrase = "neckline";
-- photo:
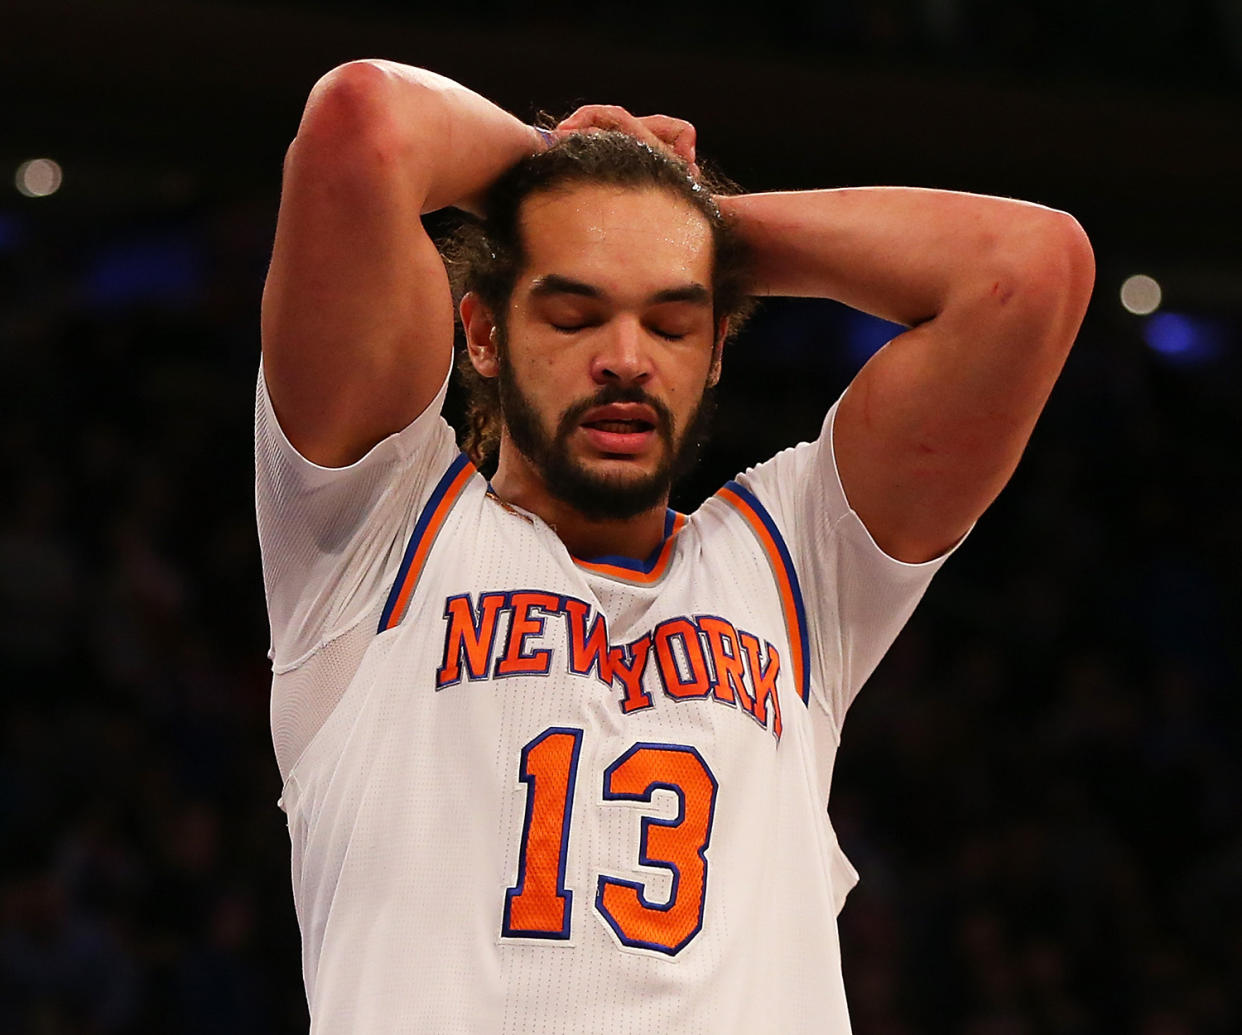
(616, 566)
(630, 569)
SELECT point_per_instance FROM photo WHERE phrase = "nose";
(622, 357)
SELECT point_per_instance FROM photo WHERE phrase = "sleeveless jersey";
(528, 792)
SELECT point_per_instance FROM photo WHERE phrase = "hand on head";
(676, 136)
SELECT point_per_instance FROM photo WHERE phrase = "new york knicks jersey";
(528, 792)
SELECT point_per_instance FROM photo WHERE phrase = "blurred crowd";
(1141, 41)
(143, 862)
(1041, 785)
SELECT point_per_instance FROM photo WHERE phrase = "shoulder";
(793, 495)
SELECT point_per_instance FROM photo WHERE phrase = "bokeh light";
(1185, 339)
(38, 177)
(1141, 294)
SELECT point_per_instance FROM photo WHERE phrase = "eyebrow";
(556, 284)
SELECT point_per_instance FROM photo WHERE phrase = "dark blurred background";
(1041, 785)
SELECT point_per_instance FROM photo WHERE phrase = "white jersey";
(528, 792)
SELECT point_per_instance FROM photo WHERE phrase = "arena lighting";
(1183, 339)
(163, 268)
(865, 335)
(1140, 295)
(38, 177)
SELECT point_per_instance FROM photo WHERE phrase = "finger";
(599, 116)
(611, 116)
(677, 134)
(577, 120)
(660, 132)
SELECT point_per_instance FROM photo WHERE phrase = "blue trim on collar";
(630, 563)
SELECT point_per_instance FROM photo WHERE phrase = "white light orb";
(1140, 294)
(38, 177)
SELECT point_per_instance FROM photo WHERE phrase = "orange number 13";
(539, 904)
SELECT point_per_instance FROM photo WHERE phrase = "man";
(555, 758)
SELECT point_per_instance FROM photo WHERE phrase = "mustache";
(614, 393)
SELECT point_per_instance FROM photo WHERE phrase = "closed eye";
(574, 328)
(667, 335)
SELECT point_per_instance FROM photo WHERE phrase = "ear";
(722, 332)
(481, 335)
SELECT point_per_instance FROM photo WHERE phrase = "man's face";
(609, 346)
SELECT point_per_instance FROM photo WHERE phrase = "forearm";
(905, 254)
(444, 143)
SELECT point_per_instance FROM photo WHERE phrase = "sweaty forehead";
(610, 235)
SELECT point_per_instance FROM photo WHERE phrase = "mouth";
(620, 427)
(620, 430)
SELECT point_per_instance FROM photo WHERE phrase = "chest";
(704, 627)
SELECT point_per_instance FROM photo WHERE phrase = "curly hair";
(485, 256)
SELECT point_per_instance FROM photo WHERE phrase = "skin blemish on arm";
(865, 385)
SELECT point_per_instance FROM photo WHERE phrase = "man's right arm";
(357, 313)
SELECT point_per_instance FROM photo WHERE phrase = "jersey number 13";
(539, 904)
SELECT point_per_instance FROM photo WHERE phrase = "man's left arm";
(994, 290)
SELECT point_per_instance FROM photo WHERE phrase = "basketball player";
(557, 759)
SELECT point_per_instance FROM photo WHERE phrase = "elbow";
(354, 84)
(1067, 268)
(1044, 283)
(351, 101)
(1068, 260)
(361, 109)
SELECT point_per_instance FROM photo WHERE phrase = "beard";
(599, 496)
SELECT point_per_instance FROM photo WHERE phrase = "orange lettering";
(670, 674)
(468, 635)
(587, 650)
(763, 679)
(517, 661)
(631, 675)
(729, 685)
